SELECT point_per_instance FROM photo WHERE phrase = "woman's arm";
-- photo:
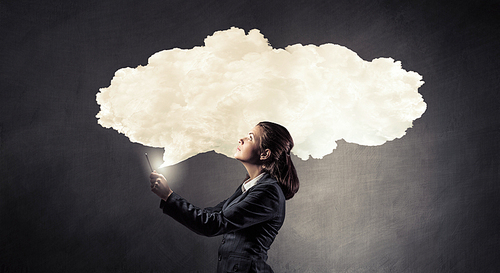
(261, 203)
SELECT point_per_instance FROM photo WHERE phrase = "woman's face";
(249, 147)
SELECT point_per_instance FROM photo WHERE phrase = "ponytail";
(279, 165)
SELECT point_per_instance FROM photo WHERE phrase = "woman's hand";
(159, 185)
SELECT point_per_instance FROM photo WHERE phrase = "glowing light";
(205, 98)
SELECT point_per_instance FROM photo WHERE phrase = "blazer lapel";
(231, 199)
(237, 199)
(238, 196)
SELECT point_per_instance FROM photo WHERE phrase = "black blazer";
(249, 223)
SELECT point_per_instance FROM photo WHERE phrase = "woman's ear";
(265, 154)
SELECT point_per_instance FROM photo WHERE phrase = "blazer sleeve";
(261, 203)
(218, 207)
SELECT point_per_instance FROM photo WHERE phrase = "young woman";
(250, 219)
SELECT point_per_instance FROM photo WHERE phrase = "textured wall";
(74, 197)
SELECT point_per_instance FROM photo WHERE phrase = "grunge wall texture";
(74, 197)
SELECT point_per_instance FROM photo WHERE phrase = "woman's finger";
(153, 175)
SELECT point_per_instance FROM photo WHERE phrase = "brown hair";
(279, 165)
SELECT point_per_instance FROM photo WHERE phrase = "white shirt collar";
(250, 183)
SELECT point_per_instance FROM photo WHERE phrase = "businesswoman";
(250, 219)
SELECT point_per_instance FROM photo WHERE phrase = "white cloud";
(205, 98)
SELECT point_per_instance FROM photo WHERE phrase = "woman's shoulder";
(269, 185)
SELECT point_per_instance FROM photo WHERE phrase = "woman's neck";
(253, 170)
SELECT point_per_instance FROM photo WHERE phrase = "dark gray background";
(75, 197)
